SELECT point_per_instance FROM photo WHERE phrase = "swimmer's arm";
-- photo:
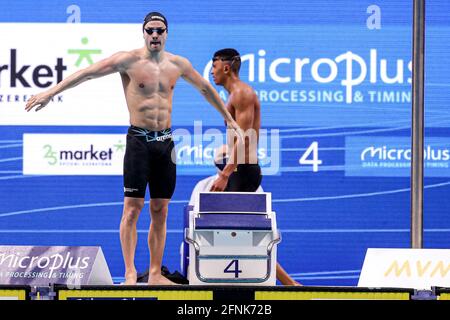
(205, 88)
(99, 69)
(221, 182)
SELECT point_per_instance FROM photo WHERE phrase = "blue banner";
(334, 81)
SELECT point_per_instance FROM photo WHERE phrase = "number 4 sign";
(236, 270)
(314, 160)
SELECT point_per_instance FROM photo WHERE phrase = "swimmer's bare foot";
(130, 278)
(159, 280)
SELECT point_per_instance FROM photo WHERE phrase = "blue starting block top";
(232, 202)
(233, 221)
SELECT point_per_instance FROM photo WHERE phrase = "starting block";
(232, 239)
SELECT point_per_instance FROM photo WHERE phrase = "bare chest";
(147, 78)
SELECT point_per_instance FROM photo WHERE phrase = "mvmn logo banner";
(406, 268)
(391, 156)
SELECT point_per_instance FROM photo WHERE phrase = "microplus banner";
(30, 265)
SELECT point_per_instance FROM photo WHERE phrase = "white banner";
(41, 265)
(73, 154)
(406, 268)
(34, 57)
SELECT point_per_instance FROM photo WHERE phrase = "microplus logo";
(50, 263)
(389, 156)
(386, 153)
(355, 70)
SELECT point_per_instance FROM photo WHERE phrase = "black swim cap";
(155, 16)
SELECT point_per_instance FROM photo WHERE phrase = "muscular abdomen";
(149, 97)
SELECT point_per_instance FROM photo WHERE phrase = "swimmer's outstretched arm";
(99, 69)
(207, 90)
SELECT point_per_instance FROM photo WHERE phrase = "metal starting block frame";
(232, 239)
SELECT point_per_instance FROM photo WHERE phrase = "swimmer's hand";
(39, 101)
(220, 183)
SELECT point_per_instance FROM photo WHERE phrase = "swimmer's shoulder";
(178, 60)
(244, 90)
(124, 59)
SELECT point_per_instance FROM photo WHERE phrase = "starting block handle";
(239, 257)
(199, 257)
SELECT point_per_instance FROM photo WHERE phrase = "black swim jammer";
(148, 160)
(246, 178)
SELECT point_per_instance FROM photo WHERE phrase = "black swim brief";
(246, 178)
(148, 160)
